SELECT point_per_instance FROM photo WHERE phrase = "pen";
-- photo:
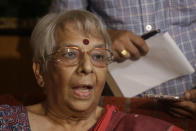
(147, 35)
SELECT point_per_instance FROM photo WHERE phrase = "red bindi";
(86, 41)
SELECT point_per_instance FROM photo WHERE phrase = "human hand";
(126, 40)
(185, 108)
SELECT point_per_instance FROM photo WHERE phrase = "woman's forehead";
(64, 37)
(72, 28)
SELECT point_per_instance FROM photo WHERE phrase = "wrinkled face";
(77, 87)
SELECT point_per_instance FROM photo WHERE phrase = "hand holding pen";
(127, 45)
(145, 36)
(180, 106)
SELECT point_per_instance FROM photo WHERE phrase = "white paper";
(163, 62)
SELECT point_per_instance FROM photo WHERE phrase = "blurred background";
(17, 18)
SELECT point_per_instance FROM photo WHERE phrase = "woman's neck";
(70, 122)
(77, 120)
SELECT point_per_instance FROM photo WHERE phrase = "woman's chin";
(83, 106)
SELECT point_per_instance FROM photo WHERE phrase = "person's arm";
(134, 45)
(64, 5)
(185, 108)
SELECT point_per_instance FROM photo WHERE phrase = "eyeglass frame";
(108, 61)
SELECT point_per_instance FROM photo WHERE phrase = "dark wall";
(23, 8)
(16, 75)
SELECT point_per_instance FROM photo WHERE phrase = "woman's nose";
(86, 66)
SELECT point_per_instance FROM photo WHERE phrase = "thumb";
(190, 95)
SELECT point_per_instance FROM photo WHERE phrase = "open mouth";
(82, 91)
(83, 87)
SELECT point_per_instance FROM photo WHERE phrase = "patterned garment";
(178, 17)
(13, 118)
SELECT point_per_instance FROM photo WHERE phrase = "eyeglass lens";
(72, 56)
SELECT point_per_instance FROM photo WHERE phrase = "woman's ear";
(38, 73)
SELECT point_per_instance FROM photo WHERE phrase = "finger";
(190, 95)
(121, 47)
(180, 114)
(117, 57)
(179, 109)
(186, 105)
(124, 53)
(116, 52)
(135, 53)
(139, 43)
(174, 114)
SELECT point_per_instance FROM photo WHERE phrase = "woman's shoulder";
(14, 117)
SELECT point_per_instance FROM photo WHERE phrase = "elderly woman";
(71, 54)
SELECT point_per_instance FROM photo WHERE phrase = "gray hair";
(42, 38)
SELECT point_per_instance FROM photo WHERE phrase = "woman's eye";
(98, 57)
(69, 55)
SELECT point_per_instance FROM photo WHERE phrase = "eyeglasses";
(70, 56)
